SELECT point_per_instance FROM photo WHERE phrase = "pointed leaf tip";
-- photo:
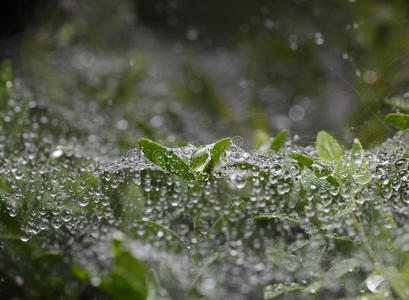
(278, 141)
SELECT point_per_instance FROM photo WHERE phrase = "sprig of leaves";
(203, 160)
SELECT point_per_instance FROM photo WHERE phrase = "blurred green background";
(182, 71)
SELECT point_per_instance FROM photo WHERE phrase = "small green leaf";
(278, 141)
(200, 159)
(302, 159)
(260, 138)
(333, 181)
(273, 291)
(344, 267)
(283, 259)
(398, 280)
(309, 162)
(127, 278)
(400, 121)
(206, 158)
(216, 151)
(358, 161)
(328, 148)
(165, 158)
(344, 212)
(278, 216)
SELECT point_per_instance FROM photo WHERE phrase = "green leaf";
(400, 121)
(278, 141)
(216, 151)
(398, 280)
(165, 158)
(277, 216)
(309, 162)
(260, 138)
(273, 291)
(206, 158)
(302, 159)
(200, 159)
(127, 278)
(344, 267)
(358, 161)
(328, 148)
(283, 259)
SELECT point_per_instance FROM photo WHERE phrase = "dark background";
(205, 69)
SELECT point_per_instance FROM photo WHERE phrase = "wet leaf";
(199, 159)
(278, 216)
(283, 259)
(165, 158)
(328, 148)
(358, 161)
(309, 163)
(344, 267)
(216, 151)
(127, 278)
(206, 158)
(400, 121)
(302, 159)
(278, 141)
(273, 291)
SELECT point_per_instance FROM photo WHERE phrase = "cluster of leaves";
(207, 222)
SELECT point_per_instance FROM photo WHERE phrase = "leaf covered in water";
(165, 158)
(328, 148)
(302, 159)
(216, 151)
(358, 161)
(278, 141)
(344, 267)
(400, 121)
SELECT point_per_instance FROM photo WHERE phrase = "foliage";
(199, 222)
